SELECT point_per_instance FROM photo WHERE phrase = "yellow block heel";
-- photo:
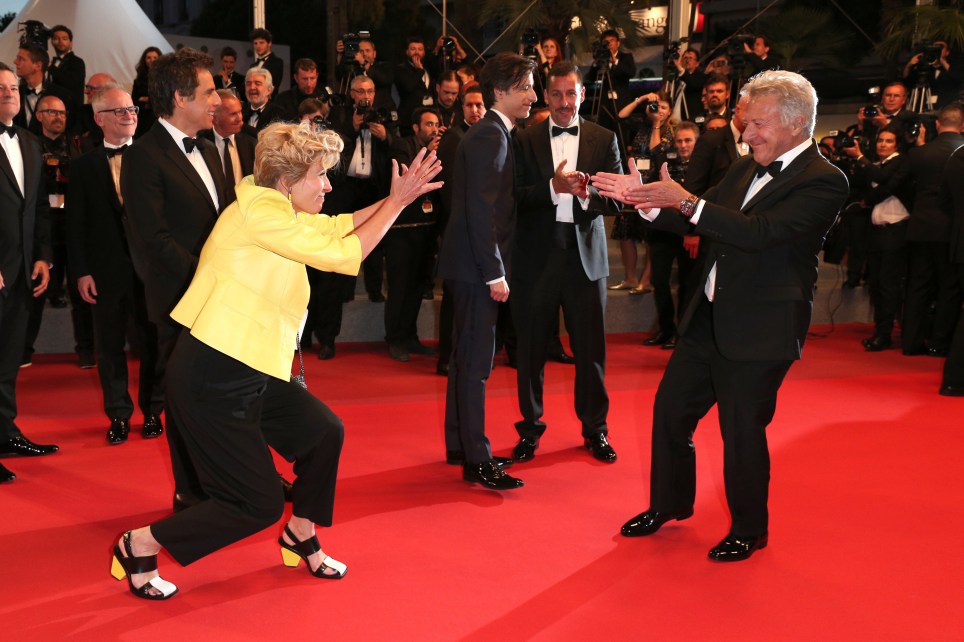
(290, 558)
(117, 569)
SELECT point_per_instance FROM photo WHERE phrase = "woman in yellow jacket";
(229, 377)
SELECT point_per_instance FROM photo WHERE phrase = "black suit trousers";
(954, 365)
(665, 248)
(697, 377)
(405, 250)
(229, 415)
(931, 277)
(111, 316)
(535, 308)
(14, 298)
(473, 348)
(887, 263)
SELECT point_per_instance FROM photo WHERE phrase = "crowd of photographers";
(384, 111)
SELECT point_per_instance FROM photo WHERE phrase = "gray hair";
(260, 71)
(795, 94)
(99, 97)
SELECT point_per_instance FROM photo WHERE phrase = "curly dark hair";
(175, 72)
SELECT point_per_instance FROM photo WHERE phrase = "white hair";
(260, 71)
(795, 95)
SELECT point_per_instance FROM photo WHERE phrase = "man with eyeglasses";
(25, 257)
(59, 149)
(91, 135)
(102, 271)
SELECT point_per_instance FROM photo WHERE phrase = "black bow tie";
(257, 60)
(114, 151)
(556, 131)
(190, 144)
(34, 92)
(8, 129)
(58, 59)
(772, 169)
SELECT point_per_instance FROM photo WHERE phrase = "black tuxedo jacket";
(341, 198)
(882, 174)
(24, 217)
(49, 89)
(475, 248)
(245, 143)
(269, 114)
(276, 67)
(765, 254)
(71, 74)
(447, 148)
(411, 91)
(96, 242)
(712, 156)
(924, 169)
(169, 214)
(598, 152)
(952, 201)
(236, 82)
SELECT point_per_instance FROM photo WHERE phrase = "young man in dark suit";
(767, 221)
(25, 256)
(474, 261)
(66, 68)
(102, 271)
(559, 257)
(173, 190)
(31, 65)
(266, 59)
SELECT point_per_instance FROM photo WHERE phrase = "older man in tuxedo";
(767, 220)
(25, 256)
(474, 261)
(235, 146)
(560, 257)
(101, 265)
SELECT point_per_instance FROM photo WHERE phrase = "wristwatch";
(687, 206)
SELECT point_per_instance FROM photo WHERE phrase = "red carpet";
(866, 518)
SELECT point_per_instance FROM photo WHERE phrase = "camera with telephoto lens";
(672, 51)
(872, 110)
(930, 53)
(34, 32)
(373, 115)
(530, 38)
(842, 140)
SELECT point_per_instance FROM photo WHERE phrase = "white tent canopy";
(109, 35)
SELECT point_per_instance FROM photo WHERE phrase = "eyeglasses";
(53, 112)
(120, 111)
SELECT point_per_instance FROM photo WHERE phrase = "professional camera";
(842, 139)
(351, 42)
(530, 38)
(379, 116)
(320, 123)
(652, 106)
(930, 53)
(734, 47)
(672, 51)
(674, 165)
(600, 53)
(327, 95)
(871, 110)
(34, 32)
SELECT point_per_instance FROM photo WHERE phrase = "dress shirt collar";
(789, 156)
(175, 133)
(509, 125)
(129, 141)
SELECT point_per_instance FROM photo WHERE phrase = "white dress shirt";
(11, 147)
(195, 158)
(565, 146)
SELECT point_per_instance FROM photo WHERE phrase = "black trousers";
(887, 264)
(665, 248)
(697, 377)
(329, 292)
(473, 348)
(14, 299)
(954, 365)
(562, 281)
(111, 315)
(931, 278)
(405, 250)
(81, 320)
(229, 415)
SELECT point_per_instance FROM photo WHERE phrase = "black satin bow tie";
(772, 169)
(257, 60)
(114, 151)
(190, 144)
(8, 129)
(556, 131)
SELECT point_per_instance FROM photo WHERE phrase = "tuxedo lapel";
(8, 170)
(31, 162)
(105, 178)
(213, 160)
(177, 157)
(781, 181)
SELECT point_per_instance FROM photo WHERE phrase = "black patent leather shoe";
(649, 522)
(417, 347)
(118, 431)
(442, 369)
(877, 344)
(600, 447)
(658, 339)
(152, 427)
(937, 351)
(457, 458)
(952, 391)
(326, 351)
(561, 357)
(735, 549)
(525, 450)
(6, 475)
(22, 446)
(398, 352)
(286, 487)
(670, 343)
(490, 475)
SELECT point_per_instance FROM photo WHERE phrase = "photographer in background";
(614, 68)
(448, 54)
(363, 61)
(688, 68)
(306, 86)
(414, 84)
(447, 105)
(935, 67)
(873, 118)
(759, 58)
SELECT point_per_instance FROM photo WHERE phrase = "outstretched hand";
(615, 186)
(412, 182)
(662, 193)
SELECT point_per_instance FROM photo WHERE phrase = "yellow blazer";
(250, 290)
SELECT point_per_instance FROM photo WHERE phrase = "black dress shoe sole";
(643, 532)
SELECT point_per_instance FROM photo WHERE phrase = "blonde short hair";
(288, 150)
